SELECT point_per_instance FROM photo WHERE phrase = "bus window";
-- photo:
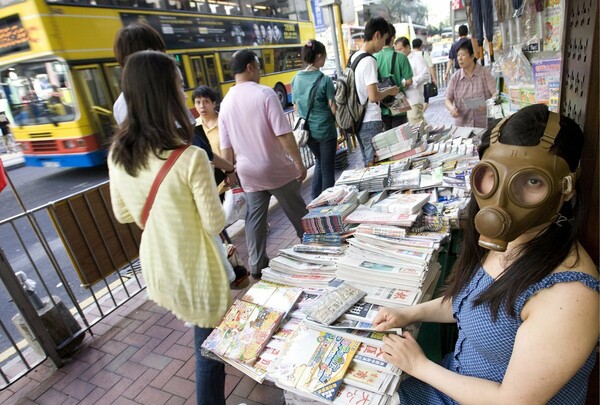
(39, 93)
(114, 80)
(301, 9)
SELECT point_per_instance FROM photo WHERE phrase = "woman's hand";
(454, 112)
(388, 318)
(403, 351)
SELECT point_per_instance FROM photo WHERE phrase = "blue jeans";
(367, 131)
(210, 374)
(324, 174)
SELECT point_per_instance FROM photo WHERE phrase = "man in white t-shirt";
(366, 79)
(414, 93)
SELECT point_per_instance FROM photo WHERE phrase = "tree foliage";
(400, 10)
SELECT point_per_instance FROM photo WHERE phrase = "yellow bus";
(59, 78)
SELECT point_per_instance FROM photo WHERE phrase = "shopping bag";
(234, 205)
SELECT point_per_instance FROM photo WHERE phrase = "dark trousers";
(390, 122)
(324, 174)
(210, 374)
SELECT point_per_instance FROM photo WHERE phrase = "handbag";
(301, 129)
(431, 89)
(158, 180)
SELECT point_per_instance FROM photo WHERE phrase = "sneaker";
(241, 278)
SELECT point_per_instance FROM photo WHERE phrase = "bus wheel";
(281, 94)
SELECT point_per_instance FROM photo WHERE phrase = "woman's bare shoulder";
(578, 260)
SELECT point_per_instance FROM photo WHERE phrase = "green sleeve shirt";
(402, 69)
(321, 121)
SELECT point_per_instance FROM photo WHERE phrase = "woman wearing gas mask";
(523, 292)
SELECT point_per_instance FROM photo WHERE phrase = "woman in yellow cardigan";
(181, 264)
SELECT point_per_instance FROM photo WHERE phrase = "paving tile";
(121, 358)
(115, 392)
(36, 392)
(124, 401)
(231, 381)
(131, 370)
(148, 322)
(233, 371)
(175, 400)
(131, 327)
(165, 319)
(164, 376)
(135, 339)
(89, 355)
(105, 379)
(5, 395)
(138, 385)
(159, 332)
(24, 401)
(188, 337)
(180, 352)
(168, 342)
(113, 347)
(266, 395)
(188, 368)
(94, 396)
(140, 314)
(145, 350)
(156, 361)
(245, 387)
(152, 396)
(178, 324)
(78, 389)
(235, 400)
(99, 365)
(180, 386)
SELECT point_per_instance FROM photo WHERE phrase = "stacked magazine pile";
(372, 178)
(304, 266)
(328, 219)
(244, 334)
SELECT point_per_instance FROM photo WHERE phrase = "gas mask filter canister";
(518, 187)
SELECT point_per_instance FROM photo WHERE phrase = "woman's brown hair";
(157, 117)
(134, 38)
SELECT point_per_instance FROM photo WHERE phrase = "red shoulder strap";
(158, 180)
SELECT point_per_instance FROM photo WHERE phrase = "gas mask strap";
(551, 130)
(496, 131)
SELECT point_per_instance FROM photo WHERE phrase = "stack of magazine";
(328, 219)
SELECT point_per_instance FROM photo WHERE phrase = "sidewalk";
(142, 354)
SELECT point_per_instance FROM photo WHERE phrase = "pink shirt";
(461, 86)
(250, 120)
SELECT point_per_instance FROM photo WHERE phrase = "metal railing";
(50, 319)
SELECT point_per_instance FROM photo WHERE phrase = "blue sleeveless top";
(484, 347)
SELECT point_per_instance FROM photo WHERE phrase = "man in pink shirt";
(256, 134)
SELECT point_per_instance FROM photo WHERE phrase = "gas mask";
(518, 187)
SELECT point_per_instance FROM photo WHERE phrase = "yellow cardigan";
(180, 262)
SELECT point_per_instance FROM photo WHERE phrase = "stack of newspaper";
(403, 263)
(303, 266)
(398, 203)
(366, 215)
(394, 141)
(372, 178)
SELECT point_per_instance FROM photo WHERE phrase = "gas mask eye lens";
(484, 180)
(529, 188)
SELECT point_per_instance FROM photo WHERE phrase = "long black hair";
(541, 255)
(157, 117)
